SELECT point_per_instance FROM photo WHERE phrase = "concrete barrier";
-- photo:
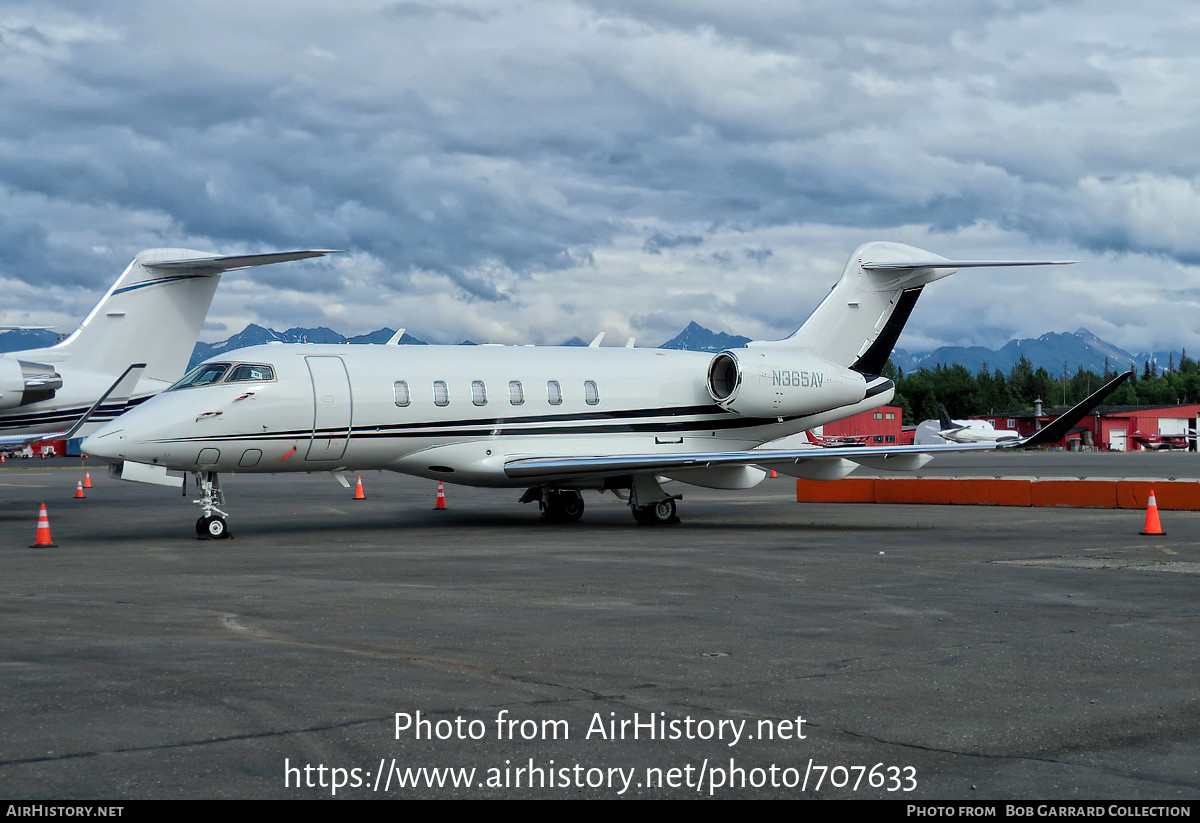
(1096, 493)
(991, 491)
(849, 490)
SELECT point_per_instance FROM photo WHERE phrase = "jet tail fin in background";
(944, 419)
(153, 313)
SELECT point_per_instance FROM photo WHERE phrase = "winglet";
(120, 391)
(1058, 429)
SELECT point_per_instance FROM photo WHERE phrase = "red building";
(880, 426)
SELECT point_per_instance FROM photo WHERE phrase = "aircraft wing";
(905, 457)
(552, 468)
(216, 265)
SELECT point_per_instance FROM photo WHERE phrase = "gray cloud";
(610, 155)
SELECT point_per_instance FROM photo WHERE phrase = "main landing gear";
(557, 505)
(211, 525)
(650, 505)
(661, 512)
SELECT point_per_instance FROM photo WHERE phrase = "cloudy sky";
(531, 170)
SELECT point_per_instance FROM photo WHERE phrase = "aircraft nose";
(104, 442)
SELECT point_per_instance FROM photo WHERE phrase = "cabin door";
(331, 408)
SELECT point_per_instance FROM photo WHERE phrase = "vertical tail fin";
(859, 321)
(944, 419)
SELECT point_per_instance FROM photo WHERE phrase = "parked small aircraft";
(150, 316)
(945, 430)
(1161, 442)
(553, 420)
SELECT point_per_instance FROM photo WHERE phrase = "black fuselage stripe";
(487, 429)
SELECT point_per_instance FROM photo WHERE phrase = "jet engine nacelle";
(22, 383)
(781, 383)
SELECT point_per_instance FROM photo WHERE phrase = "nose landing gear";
(211, 525)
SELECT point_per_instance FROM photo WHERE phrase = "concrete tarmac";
(761, 648)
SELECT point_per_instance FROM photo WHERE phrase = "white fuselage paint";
(316, 417)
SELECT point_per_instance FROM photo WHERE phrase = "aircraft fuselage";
(458, 413)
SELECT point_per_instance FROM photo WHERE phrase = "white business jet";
(150, 318)
(556, 421)
(946, 430)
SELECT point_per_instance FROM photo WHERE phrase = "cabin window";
(1012, 424)
(246, 372)
(553, 392)
(441, 395)
(478, 393)
(890, 416)
(402, 398)
(878, 415)
(591, 393)
(516, 394)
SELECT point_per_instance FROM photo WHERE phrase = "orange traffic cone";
(1152, 524)
(2, 460)
(441, 497)
(358, 491)
(42, 540)
(79, 490)
(773, 474)
(87, 480)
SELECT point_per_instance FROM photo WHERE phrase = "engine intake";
(781, 383)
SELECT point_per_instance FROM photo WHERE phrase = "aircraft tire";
(563, 506)
(664, 511)
(212, 527)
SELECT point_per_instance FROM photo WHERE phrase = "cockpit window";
(203, 375)
(209, 374)
(248, 371)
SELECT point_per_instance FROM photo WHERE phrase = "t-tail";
(859, 321)
(152, 315)
(944, 420)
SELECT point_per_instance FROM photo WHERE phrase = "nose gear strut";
(211, 525)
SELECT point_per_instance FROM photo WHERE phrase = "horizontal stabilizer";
(907, 265)
(216, 265)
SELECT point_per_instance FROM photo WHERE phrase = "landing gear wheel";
(212, 527)
(661, 512)
(562, 506)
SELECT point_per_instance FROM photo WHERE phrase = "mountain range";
(1078, 349)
